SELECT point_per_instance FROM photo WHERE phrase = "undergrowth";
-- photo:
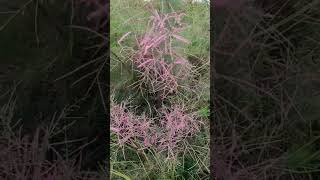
(52, 109)
(264, 124)
(156, 132)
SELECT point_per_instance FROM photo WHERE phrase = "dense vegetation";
(159, 120)
(51, 108)
(266, 88)
(54, 96)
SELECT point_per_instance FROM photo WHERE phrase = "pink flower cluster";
(159, 65)
(177, 125)
(163, 133)
(127, 126)
(161, 69)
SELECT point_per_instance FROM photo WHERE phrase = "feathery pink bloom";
(153, 49)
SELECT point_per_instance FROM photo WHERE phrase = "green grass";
(193, 161)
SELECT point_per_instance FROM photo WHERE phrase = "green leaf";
(117, 173)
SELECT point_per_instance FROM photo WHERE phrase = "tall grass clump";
(263, 124)
(158, 64)
(61, 41)
(159, 68)
(153, 130)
